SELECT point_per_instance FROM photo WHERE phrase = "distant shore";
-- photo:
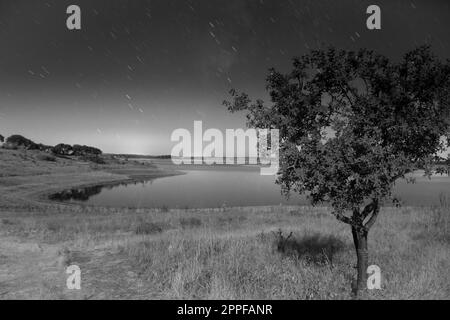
(24, 178)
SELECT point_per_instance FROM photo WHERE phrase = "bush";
(7, 222)
(93, 158)
(45, 157)
(148, 228)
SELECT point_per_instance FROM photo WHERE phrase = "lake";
(207, 188)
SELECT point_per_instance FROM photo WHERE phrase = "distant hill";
(66, 150)
(17, 141)
(86, 153)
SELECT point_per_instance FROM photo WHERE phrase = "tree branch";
(400, 175)
(373, 217)
(349, 221)
(367, 86)
(369, 208)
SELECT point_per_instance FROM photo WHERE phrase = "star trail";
(137, 70)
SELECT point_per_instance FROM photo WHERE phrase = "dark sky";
(140, 69)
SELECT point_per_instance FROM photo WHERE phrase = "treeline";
(75, 150)
(17, 141)
(20, 142)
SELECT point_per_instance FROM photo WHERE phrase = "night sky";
(140, 69)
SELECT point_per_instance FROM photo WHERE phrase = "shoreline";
(37, 180)
(131, 176)
(35, 189)
(42, 196)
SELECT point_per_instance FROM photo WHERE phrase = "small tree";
(2, 139)
(351, 124)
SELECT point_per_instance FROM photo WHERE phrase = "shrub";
(93, 158)
(148, 228)
(45, 157)
(7, 222)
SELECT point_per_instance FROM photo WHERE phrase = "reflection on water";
(85, 193)
(217, 188)
(81, 194)
(195, 189)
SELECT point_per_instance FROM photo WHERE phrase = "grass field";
(226, 253)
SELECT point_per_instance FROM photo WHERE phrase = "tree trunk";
(362, 254)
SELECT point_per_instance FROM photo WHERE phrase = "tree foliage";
(86, 150)
(62, 149)
(75, 150)
(20, 141)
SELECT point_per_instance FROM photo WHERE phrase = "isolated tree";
(351, 124)
(2, 139)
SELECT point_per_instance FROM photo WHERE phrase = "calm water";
(215, 188)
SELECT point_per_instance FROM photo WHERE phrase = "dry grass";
(238, 253)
